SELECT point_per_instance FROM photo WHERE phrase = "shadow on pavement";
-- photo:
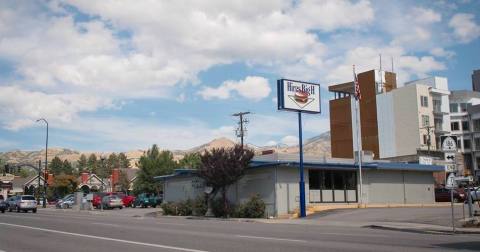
(461, 245)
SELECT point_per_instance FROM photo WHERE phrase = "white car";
(23, 203)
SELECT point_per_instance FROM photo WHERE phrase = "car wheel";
(133, 205)
(120, 207)
(3, 210)
(34, 210)
(9, 209)
(18, 209)
(154, 206)
(455, 200)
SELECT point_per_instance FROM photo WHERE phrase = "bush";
(184, 208)
(219, 210)
(253, 208)
(169, 208)
(200, 206)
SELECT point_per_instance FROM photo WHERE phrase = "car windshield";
(28, 198)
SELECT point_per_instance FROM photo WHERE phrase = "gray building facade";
(275, 178)
(476, 80)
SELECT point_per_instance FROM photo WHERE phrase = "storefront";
(330, 186)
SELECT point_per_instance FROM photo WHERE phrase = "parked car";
(3, 204)
(127, 200)
(65, 202)
(23, 203)
(147, 199)
(112, 201)
(443, 195)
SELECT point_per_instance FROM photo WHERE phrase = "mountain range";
(315, 146)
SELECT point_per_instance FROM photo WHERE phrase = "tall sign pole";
(357, 95)
(303, 210)
(300, 97)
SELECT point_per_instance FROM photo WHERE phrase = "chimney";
(50, 179)
(115, 177)
(85, 177)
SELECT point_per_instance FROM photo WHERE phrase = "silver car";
(23, 203)
(112, 201)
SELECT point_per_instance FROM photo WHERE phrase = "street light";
(102, 158)
(46, 169)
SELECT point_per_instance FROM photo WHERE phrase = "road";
(63, 231)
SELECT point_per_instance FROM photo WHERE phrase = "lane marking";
(105, 224)
(359, 235)
(269, 238)
(104, 238)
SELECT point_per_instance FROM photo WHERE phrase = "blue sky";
(118, 76)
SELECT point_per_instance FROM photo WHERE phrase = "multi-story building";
(343, 115)
(476, 80)
(474, 121)
(461, 124)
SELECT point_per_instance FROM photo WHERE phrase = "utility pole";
(241, 130)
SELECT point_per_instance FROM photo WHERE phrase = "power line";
(241, 130)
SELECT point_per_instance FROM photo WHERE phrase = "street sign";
(451, 181)
(450, 157)
(450, 168)
(449, 143)
(298, 96)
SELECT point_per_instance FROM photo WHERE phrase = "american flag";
(357, 93)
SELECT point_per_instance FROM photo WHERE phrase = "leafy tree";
(112, 162)
(56, 166)
(64, 184)
(123, 182)
(123, 160)
(222, 167)
(2, 165)
(92, 163)
(191, 161)
(82, 163)
(25, 173)
(153, 163)
(102, 168)
(67, 167)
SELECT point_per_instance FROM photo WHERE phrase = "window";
(453, 107)
(351, 180)
(455, 126)
(425, 120)
(338, 183)
(424, 101)
(466, 143)
(465, 126)
(459, 143)
(326, 180)
(438, 124)
(425, 139)
(476, 125)
(477, 143)
(437, 106)
(314, 180)
(464, 106)
(478, 163)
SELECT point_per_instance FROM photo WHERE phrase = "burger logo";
(301, 94)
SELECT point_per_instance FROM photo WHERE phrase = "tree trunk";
(225, 205)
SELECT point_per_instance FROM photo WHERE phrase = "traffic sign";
(451, 181)
(449, 143)
(450, 157)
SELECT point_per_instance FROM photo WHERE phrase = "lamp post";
(46, 163)
(102, 158)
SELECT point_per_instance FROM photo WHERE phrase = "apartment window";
(464, 106)
(424, 101)
(466, 143)
(437, 106)
(478, 163)
(476, 125)
(425, 120)
(459, 143)
(455, 126)
(438, 124)
(453, 107)
(425, 139)
(477, 143)
(465, 126)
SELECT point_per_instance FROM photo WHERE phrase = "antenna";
(381, 75)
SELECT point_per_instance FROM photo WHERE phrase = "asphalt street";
(63, 231)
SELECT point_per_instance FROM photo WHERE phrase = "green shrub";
(184, 208)
(253, 208)
(200, 206)
(219, 210)
(169, 208)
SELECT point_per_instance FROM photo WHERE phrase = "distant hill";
(317, 146)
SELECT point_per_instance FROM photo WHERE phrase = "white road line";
(269, 238)
(359, 235)
(105, 224)
(104, 238)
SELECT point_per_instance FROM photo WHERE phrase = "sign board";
(450, 157)
(451, 181)
(425, 160)
(449, 143)
(298, 96)
(450, 168)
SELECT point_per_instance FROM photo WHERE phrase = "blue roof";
(324, 166)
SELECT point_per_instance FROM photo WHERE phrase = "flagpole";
(358, 134)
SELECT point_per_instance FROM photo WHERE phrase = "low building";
(275, 178)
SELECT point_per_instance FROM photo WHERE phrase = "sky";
(122, 75)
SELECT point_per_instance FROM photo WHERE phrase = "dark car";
(146, 200)
(3, 204)
(443, 195)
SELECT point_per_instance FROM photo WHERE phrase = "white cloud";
(441, 52)
(464, 27)
(253, 87)
(425, 16)
(271, 143)
(290, 140)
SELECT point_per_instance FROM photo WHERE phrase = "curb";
(444, 231)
